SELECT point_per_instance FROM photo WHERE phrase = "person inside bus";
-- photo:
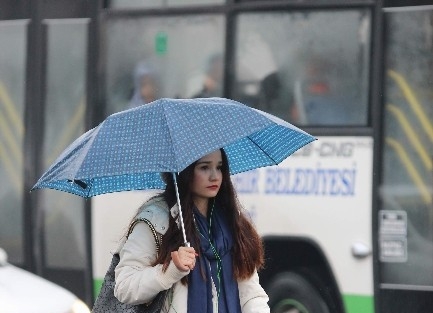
(212, 83)
(218, 272)
(319, 98)
(146, 85)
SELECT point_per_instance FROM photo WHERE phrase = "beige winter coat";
(138, 282)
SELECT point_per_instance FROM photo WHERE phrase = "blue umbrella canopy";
(130, 149)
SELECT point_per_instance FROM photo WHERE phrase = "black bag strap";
(157, 303)
(158, 238)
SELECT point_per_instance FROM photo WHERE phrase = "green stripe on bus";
(358, 304)
(97, 284)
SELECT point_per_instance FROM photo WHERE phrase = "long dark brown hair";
(247, 254)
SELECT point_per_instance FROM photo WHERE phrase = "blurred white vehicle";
(25, 292)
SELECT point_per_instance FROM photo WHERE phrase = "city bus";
(346, 222)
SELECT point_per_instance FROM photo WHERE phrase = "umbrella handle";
(182, 226)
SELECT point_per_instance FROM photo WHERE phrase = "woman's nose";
(213, 175)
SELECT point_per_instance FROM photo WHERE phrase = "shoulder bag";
(107, 302)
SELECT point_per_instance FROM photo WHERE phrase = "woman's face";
(208, 176)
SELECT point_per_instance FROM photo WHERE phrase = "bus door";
(405, 215)
(42, 109)
(62, 225)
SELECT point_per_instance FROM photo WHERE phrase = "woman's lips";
(213, 187)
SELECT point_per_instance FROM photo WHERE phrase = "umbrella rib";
(88, 146)
(275, 162)
(170, 132)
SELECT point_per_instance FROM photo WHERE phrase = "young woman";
(218, 273)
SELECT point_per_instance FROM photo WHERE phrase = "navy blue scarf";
(217, 266)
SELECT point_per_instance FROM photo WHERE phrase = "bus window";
(183, 56)
(12, 84)
(159, 3)
(310, 68)
(406, 216)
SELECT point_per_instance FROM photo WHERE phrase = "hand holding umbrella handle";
(184, 258)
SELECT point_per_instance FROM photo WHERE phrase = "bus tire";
(292, 293)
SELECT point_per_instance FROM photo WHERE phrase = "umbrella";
(130, 149)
